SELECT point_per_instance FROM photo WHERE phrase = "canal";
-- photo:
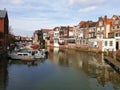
(62, 70)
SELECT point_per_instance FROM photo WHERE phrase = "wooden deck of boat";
(112, 62)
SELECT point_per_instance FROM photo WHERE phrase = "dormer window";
(57, 29)
(116, 21)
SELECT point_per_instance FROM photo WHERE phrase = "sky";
(26, 16)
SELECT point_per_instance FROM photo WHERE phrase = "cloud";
(86, 2)
(30, 15)
(16, 1)
(88, 9)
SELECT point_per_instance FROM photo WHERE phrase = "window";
(116, 34)
(113, 27)
(117, 22)
(117, 27)
(105, 43)
(100, 23)
(98, 29)
(111, 43)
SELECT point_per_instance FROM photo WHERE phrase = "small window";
(113, 27)
(105, 43)
(117, 34)
(117, 22)
(19, 54)
(117, 27)
(111, 43)
(25, 54)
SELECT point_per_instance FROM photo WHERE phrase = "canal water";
(62, 70)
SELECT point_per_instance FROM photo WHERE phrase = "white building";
(56, 36)
(109, 44)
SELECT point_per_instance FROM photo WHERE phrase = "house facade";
(38, 35)
(83, 34)
(56, 36)
(115, 30)
(50, 41)
(102, 35)
(4, 29)
(101, 40)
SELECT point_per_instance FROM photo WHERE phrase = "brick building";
(4, 29)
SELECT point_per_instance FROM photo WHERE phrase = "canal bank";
(83, 49)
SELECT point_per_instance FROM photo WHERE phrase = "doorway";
(117, 45)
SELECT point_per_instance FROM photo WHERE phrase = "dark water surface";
(63, 70)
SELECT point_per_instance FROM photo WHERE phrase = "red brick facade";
(4, 29)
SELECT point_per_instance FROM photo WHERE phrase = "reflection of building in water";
(3, 73)
(50, 53)
(63, 58)
(55, 56)
(103, 72)
(92, 64)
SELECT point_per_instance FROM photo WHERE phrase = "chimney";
(105, 18)
(4, 9)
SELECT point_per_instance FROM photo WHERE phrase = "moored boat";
(27, 54)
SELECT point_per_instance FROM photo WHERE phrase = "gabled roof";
(45, 30)
(92, 24)
(3, 13)
(109, 21)
(84, 24)
(62, 27)
(115, 16)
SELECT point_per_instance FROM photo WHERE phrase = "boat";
(37, 53)
(27, 54)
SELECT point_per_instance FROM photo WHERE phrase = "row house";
(100, 39)
(102, 35)
(71, 37)
(50, 41)
(38, 35)
(115, 30)
(63, 35)
(45, 33)
(83, 34)
(67, 36)
(56, 36)
(79, 33)
(4, 29)
(94, 35)
(92, 30)
(103, 27)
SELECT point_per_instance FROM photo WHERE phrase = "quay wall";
(81, 48)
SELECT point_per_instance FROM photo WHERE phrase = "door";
(117, 45)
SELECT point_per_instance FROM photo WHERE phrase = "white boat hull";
(28, 55)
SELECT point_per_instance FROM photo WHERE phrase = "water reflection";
(28, 63)
(92, 64)
(3, 73)
(63, 70)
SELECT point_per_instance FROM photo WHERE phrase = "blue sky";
(26, 16)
